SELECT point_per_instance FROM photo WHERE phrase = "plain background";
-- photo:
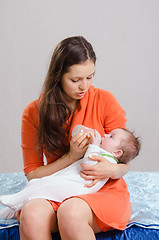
(125, 37)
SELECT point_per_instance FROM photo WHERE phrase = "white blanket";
(57, 187)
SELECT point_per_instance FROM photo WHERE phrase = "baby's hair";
(130, 147)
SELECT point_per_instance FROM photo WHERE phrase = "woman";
(68, 99)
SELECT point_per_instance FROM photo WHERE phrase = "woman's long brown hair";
(53, 108)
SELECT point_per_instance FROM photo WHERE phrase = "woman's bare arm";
(120, 170)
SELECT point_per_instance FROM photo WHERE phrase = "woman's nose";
(83, 85)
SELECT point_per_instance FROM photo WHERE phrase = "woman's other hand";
(102, 169)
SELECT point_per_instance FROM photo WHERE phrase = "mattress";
(144, 195)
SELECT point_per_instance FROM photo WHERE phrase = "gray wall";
(125, 36)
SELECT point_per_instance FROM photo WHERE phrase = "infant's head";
(122, 144)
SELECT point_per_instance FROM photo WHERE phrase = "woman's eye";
(89, 78)
(74, 80)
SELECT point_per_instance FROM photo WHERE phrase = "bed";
(144, 193)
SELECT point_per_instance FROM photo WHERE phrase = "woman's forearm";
(51, 168)
(120, 170)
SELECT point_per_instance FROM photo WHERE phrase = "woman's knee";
(37, 215)
(69, 210)
(30, 217)
(68, 217)
(27, 220)
(74, 212)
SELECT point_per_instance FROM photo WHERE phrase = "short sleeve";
(32, 155)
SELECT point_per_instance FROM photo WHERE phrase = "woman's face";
(76, 82)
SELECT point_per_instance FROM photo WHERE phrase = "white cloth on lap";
(56, 187)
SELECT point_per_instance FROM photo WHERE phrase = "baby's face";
(111, 142)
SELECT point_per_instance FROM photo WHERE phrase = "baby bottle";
(92, 133)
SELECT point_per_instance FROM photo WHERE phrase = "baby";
(120, 145)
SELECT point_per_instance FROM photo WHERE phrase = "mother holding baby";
(69, 98)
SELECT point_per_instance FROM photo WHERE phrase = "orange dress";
(98, 109)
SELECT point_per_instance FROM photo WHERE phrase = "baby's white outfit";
(56, 187)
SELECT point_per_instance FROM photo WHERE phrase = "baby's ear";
(117, 153)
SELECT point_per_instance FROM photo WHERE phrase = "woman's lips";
(81, 94)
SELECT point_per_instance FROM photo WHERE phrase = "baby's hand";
(96, 138)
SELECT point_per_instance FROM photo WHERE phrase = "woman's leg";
(76, 221)
(37, 220)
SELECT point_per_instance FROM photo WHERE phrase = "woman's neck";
(74, 105)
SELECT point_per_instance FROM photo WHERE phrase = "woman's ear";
(117, 153)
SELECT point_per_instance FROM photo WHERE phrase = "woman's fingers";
(90, 173)
(87, 177)
(96, 158)
(81, 140)
(88, 168)
(92, 183)
(93, 178)
(102, 169)
(78, 146)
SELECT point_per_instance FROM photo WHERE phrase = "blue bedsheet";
(132, 233)
(144, 193)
